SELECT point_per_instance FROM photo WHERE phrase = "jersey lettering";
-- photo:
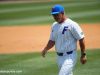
(65, 29)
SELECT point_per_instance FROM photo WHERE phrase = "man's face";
(58, 17)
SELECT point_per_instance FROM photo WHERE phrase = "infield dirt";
(18, 39)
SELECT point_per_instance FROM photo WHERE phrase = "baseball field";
(24, 32)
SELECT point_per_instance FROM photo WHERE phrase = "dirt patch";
(92, 35)
(17, 39)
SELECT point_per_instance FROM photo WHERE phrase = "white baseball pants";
(66, 63)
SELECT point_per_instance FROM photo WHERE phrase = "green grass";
(39, 13)
(34, 64)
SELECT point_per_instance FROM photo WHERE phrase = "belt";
(61, 54)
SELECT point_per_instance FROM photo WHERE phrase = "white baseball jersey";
(66, 35)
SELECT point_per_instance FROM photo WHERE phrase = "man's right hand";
(49, 46)
(43, 53)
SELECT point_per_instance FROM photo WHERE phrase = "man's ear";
(62, 13)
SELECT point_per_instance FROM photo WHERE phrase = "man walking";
(64, 35)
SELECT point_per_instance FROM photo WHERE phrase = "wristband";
(83, 54)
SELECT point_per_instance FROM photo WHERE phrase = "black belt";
(61, 54)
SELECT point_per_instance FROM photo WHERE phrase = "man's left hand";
(83, 59)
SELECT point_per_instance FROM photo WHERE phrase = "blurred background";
(16, 12)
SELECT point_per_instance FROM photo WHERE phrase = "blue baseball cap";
(57, 9)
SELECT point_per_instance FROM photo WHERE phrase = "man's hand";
(43, 52)
(49, 46)
(83, 59)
